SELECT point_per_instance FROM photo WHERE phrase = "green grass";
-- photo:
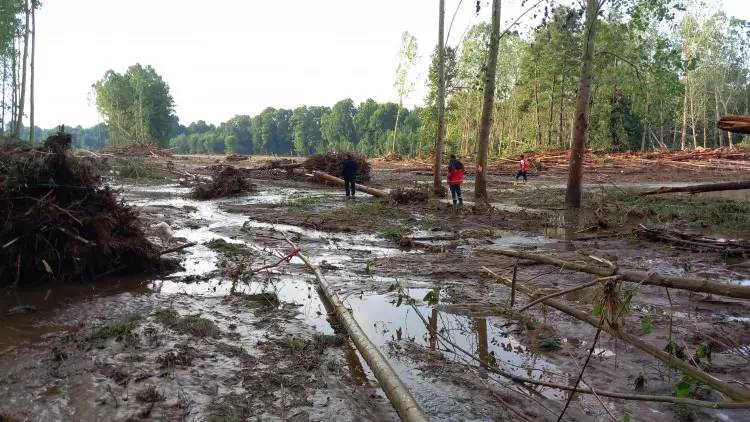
(120, 330)
(303, 203)
(394, 233)
(191, 325)
(230, 250)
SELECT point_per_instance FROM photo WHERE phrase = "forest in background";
(662, 77)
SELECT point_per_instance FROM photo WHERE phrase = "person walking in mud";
(523, 169)
(455, 179)
(349, 174)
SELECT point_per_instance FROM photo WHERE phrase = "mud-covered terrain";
(218, 340)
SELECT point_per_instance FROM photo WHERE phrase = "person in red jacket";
(523, 169)
(455, 178)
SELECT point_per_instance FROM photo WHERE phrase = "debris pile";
(60, 223)
(236, 157)
(140, 150)
(225, 181)
(409, 195)
(331, 163)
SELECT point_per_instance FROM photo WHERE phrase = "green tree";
(136, 105)
(337, 127)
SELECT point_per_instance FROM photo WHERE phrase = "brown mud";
(218, 341)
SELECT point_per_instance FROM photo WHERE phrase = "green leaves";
(647, 323)
(432, 297)
(685, 386)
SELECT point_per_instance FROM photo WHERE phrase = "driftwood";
(333, 179)
(733, 123)
(399, 396)
(693, 189)
(696, 242)
(685, 283)
(177, 248)
(670, 360)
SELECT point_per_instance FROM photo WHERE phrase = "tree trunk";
(551, 111)
(14, 89)
(562, 97)
(692, 123)
(395, 129)
(31, 81)
(22, 99)
(645, 126)
(2, 109)
(538, 137)
(578, 140)
(440, 135)
(480, 188)
(717, 133)
(684, 116)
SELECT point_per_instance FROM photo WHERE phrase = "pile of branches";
(331, 163)
(236, 157)
(403, 195)
(60, 223)
(226, 181)
(140, 150)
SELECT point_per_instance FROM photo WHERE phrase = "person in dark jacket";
(455, 178)
(349, 174)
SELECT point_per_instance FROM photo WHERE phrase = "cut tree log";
(670, 360)
(399, 396)
(693, 189)
(734, 123)
(693, 284)
(333, 179)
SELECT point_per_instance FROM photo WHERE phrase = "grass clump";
(269, 299)
(228, 408)
(228, 249)
(149, 394)
(122, 330)
(305, 203)
(191, 324)
(181, 355)
(394, 233)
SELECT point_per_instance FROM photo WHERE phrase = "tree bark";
(31, 81)
(578, 140)
(440, 135)
(2, 107)
(22, 99)
(480, 188)
(684, 116)
(395, 129)
(362, 188)
(692, 123)
(551, 111)
(538, 137)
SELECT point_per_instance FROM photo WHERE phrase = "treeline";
(652, 88)
(368, 128)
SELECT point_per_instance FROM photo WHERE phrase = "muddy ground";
(218, 341)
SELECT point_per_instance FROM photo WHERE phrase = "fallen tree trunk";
(670, 360)
(696, 242)
(685, 283)
(733, 123)
(333, 179)
(394, 389)
(693, 189)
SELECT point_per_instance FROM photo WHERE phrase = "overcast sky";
(227, 57)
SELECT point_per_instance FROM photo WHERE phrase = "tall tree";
(480, 188)
(403, 84)
(32, 128)
(578, 147)
(136, 105)
(22, 99)
(440, 131)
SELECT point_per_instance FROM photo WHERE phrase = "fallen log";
(693, 189)
(693, 284)
(399, 396)
(696, 242)
(670, 360)
(333, 179)
(734, 123)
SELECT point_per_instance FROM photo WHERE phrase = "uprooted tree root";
(331, 163)
(59, 222)
(226, 181)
